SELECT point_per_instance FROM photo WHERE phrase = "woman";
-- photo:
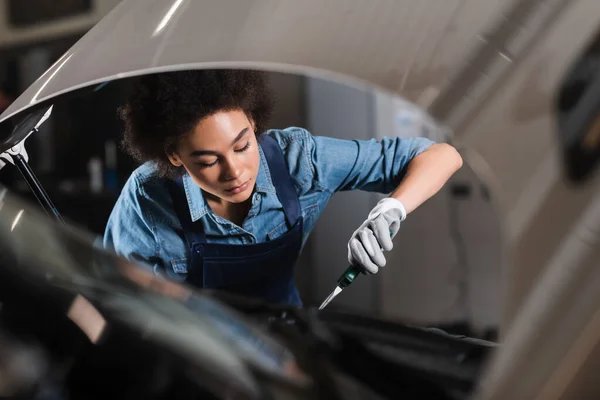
(223, 203)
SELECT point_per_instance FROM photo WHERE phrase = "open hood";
(143, 36)
(354, 42)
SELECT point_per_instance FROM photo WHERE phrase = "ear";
(175, 160)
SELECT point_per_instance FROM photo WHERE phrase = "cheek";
(253, 160)
(204, 177)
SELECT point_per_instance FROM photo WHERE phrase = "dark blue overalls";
(261, 270)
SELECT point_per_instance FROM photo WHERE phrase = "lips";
(240, 188)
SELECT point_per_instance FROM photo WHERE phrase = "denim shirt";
(143, 227)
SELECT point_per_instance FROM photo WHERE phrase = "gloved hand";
(374, 236)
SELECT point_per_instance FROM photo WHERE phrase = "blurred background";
(499, 217)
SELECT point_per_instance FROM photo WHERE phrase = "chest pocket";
(308, 213)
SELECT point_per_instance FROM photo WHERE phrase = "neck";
(234, 212)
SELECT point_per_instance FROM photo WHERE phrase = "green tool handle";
(350, 275)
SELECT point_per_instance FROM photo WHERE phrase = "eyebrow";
(198, 153)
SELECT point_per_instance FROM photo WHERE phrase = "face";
(221, 155)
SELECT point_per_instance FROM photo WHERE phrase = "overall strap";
(193, 231)
(284, 185)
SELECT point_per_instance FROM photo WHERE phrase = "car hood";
(143, 36)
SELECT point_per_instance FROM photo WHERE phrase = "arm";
(128, 230)
(421, 178)
(426, 174)
(411, 169)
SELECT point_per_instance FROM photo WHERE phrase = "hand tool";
(343, 282)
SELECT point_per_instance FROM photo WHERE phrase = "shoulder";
(143, 181)
(297, 145)
(143, 191)
(144, 203)
(144, 176)
(290, 136)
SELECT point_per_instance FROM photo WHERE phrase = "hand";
(374, 236)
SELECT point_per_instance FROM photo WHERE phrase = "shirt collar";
(198, 205)
(264, 182)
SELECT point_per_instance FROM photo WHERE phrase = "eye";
(243, 149)
(207, 165)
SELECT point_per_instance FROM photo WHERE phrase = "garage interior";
(490, 71)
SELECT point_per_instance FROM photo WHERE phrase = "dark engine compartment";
(79, 322)
(347, 356)
(392, 360)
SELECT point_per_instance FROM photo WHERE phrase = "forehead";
(222, 121)
(219, 129)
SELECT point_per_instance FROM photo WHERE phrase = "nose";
(231, 170)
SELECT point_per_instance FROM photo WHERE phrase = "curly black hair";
(162, 108)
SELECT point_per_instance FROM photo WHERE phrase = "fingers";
(365, 250)
(368, 243)
(360, 257)
(381, 230)
(372, 247)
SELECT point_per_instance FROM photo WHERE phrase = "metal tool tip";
(331, 296)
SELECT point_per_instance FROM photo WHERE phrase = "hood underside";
(355, 42)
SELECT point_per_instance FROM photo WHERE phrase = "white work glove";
(374, 236)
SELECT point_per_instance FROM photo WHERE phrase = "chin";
(239, 198)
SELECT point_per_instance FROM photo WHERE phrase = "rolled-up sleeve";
(369, 165)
